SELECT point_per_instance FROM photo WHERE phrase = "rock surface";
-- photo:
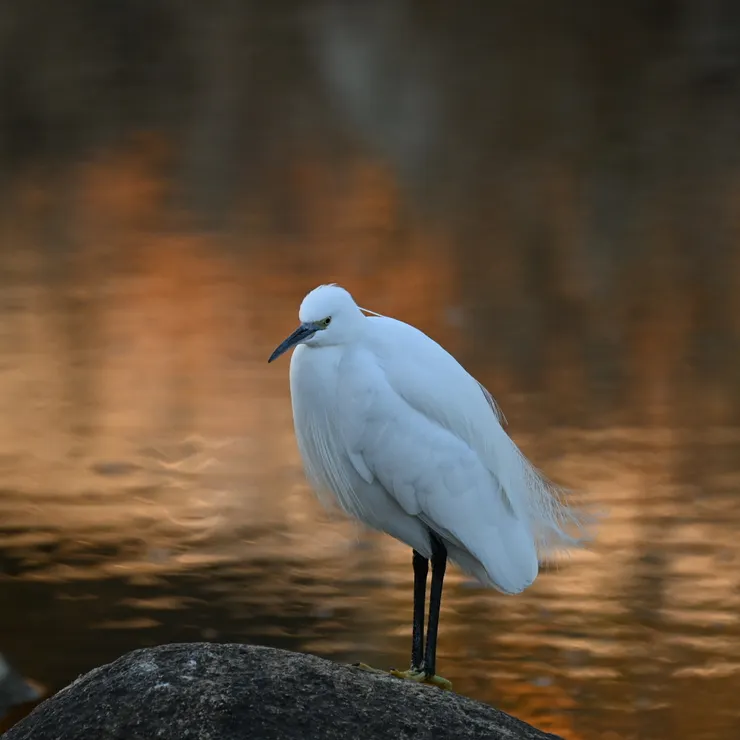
(230, 692)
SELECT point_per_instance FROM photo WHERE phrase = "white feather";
(403, 438)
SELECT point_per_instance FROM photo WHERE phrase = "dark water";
(152, 492)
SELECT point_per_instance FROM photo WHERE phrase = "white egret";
(392, 428)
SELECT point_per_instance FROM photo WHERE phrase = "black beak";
(303, 332)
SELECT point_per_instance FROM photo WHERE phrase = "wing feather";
(434, 476)
(431, 381)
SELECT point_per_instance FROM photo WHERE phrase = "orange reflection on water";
(152, 488)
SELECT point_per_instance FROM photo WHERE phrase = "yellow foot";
(420, 677)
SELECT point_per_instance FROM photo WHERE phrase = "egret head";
(328, 315)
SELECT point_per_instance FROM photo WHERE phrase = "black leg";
(421, 569)
(439, 564)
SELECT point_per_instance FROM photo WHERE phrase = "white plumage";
(391, 427)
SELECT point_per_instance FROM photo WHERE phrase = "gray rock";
(240, 692)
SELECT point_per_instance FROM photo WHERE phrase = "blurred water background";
(551, 190)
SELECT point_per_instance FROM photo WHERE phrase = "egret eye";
(324, 322)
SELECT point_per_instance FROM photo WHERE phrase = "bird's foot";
(413, 674)
(421, 676)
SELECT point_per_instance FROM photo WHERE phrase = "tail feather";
(556, 524)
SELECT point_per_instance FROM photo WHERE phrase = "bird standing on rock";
(395, 430)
